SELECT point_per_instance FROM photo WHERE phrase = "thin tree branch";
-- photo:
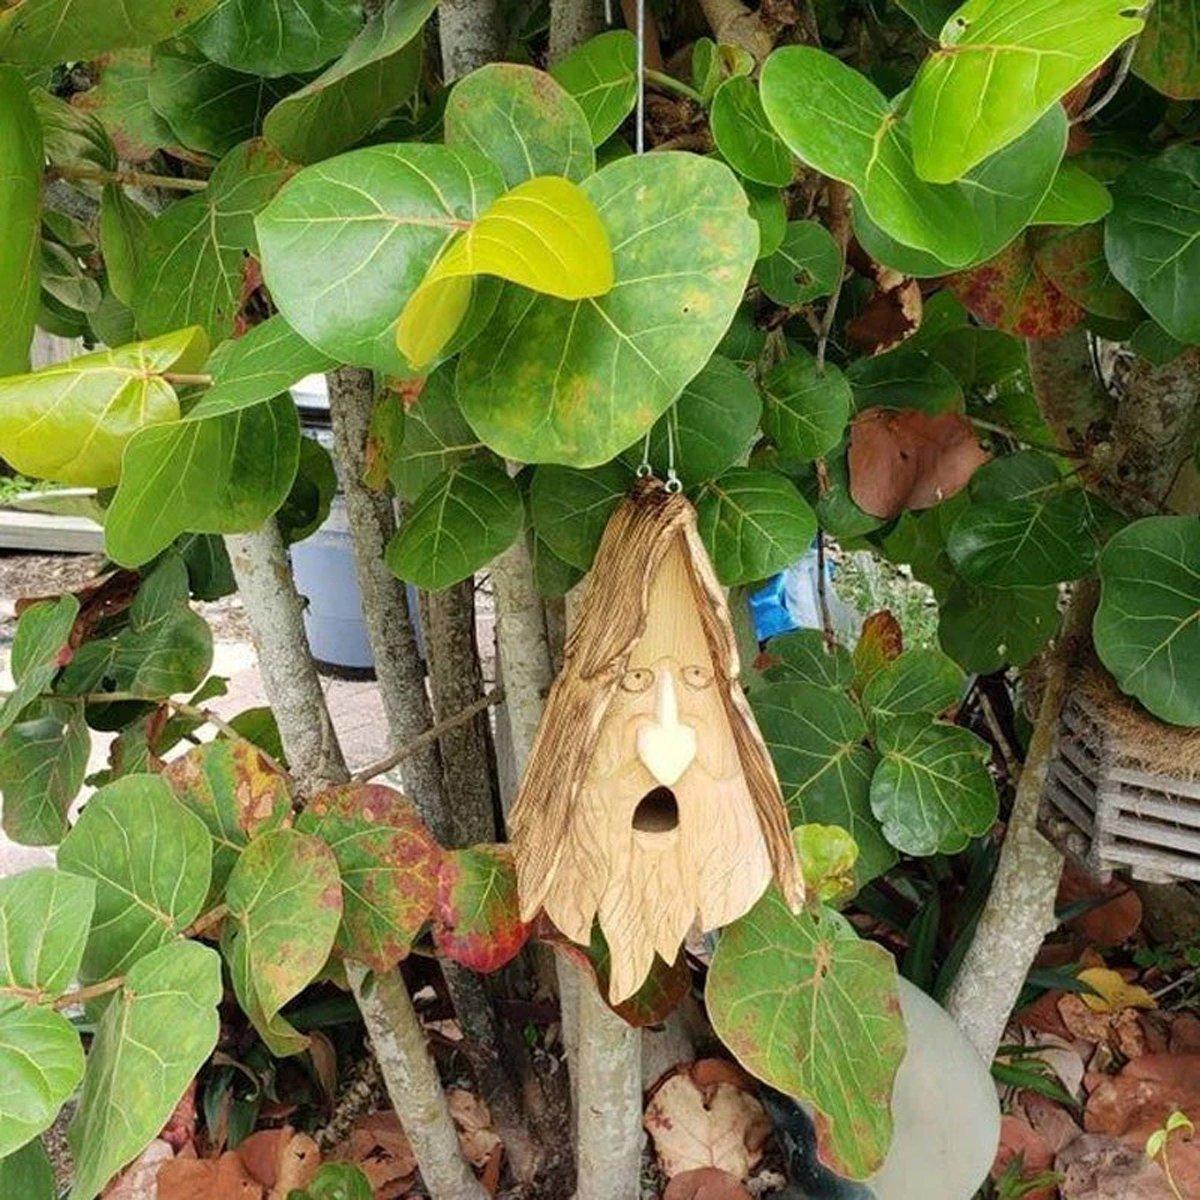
(1114, 84)
(86, 172)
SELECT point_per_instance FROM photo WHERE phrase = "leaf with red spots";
(812, 1009)
(660, 994)
(389, 864)
(478, 914)
(909, 459)
(1012, 292)
(1074, 261)
(880, 641)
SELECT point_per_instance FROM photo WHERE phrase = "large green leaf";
(816, 736)
(811, 1008)
(576, 382)
(1074, 260)
(152, 862)
(376, 74)
(43, 759)
(904, 379)
(744, 135)
(805, 408)
(375, 219)
(44, 919)
(69, 422)
(840, 124)
(154, 1036)
(1005, 193)
(123, 228)
(232, 789)
(165, 648)
(932, 790)
(205, 474)
(457, 525)
(1152, 238)
(806, 264)
(570, 508)
(274, 37)
(195, 267)
(984, 629)
(803, 655)
(38, 648)
(754, 523)
(286, 902)
(120, 98)
(919, 681)
(478, 910)
(20, 205)
(208, 107)
(388, 861)
(1168, 52)
(601, 75)
(1000, 65)
(56, 31)
(28, 1173)
(1074, 198)
(523, 120)
(41, 1063)
(436, 437)
(1147, 627)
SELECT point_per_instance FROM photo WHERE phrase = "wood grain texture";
(596, 832)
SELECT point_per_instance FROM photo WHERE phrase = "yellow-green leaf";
(544, 234)
(69, 422)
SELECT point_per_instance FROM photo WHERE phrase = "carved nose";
(667, 747)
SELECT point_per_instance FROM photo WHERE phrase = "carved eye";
(697, 677)
(637, 680)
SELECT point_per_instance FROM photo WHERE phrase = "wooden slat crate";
(1105, 812)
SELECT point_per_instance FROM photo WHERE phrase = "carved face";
(663, 832)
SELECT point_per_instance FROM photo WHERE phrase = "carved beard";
(651, 860)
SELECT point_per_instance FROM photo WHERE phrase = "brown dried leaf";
(1018, 1139)
(224, 1178)
(139, 1180)
(1057, 1128)
(889, 317)
(1138, 1101)
(473, 1119)
(379, 1147)
(1117, 914)
(707, 1183)
(1101, 1168)
(908, 459)
(1082, 1021)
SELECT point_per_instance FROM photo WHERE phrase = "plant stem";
(85, 171)
(1114, 84)
(671, 84)
(91, 992)
(206, 921)
(184, 380)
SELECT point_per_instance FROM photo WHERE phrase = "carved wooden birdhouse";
(650, 801)
(1122, 789)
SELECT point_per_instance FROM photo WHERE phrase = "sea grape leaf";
(523, 120)
(919, 681)
(999, 66)
(810, 1008)
(805, 408)
(1074, 198)
(803, 655)
(64, 279)
(744, 135)
(123, 229)
(478, 912)
(601, 76)
(21, 202)
(817, 741)
(806, 265)
(41, 1062)
(984, 629)
(205, 474)
(235, 792)
(827, 854)
(837, 513)
(152, 863)
(388, 861)
(28, 1173)
(531, 383)
(44, 919)
(543, 234)
(436, 437)
(932, 790)
(1074, 261)
(458, 524)
(570, 508)
(195, 269)
(661, 992)
(376, 219)
(754, 523)
(285, 899)
(552, 575)
(770, 215)
(709, 427)
(930, 15)
(208, 107)
(164, 648)
(377, 73)
(48, 32)
(279, 37)
(1168, 52)
(338, 1181)
(38, 651)
(69, 422)
(120, 98)
(835, 119)
(904, 379)
(1147, 626)
(1152, 238)
(43, 759)
(155, 1034)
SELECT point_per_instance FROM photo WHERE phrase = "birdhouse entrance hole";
(657, 812)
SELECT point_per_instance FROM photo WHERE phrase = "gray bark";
(471, 34)
(572, 22)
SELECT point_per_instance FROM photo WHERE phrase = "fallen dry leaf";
(224, 1178)
(282, 1160)
(1102, 1168)
(1019, 1140)
(1117, 914)
(907, 459)
(1147, 1090)
(1114, 992)
(717, 1125)
(1082, 1021)
(379, 1147)
(139, 1180)
(707, 1183)
(1185, 1034)
(1051, 1120)
(476, 1137)
(889, 317)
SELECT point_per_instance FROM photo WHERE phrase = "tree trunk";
(572, 22)
(471, 34)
